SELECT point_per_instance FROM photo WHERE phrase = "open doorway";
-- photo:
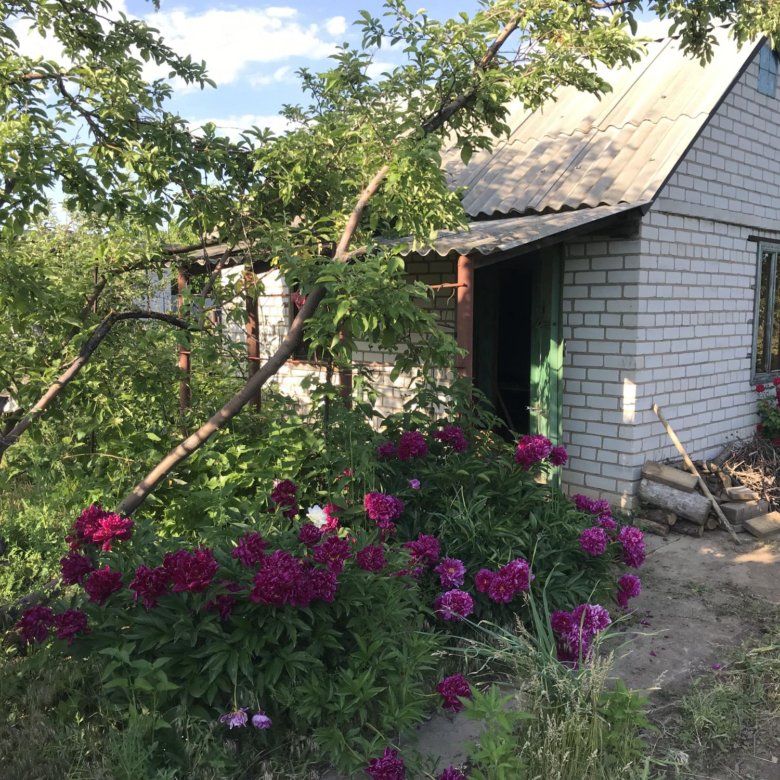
(518, 350)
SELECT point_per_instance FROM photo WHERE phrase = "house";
(623, 251)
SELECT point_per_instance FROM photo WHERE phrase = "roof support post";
(345, 372)
(185, 366)
(252, 331)
(464, 328)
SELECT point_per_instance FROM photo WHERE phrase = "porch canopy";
(487, 242)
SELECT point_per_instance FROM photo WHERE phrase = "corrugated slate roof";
(581, 151)
(516, 233)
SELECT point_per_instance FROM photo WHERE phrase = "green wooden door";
(547, 345)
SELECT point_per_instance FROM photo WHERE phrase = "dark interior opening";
(502, 341)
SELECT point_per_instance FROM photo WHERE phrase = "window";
(767, 314)
(767, 71)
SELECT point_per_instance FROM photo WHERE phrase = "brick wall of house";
(274, 315)
(684, 291)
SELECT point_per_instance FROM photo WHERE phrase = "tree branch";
(71, 372)
(295, 334)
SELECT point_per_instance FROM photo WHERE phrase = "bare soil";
(701, 599)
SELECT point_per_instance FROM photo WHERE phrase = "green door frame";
(547, 345)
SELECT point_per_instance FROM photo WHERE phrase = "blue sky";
(252, 50)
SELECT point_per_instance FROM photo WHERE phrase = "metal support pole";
(185, 365)
(252, 332)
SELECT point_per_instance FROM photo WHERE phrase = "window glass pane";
(763, 297)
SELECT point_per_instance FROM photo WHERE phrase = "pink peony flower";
(69, 624)
(453, 436)
(250, 549)
(235, 718)
(309, 534)
(453, 689)
(454, 605)
(150, 585)
(519, 573)
(101, 583)
(558, 456)
(261, 721)
(633, 541)
(531, 450)
(35, 623)
(424, 549)
(332, 552)
(594, 541)
(450, 773)
(629, 587)
(482, 580)
(451, 572)
(411, 445)
(383, 509)
(371, 558)
(386, 450)
(284, 495)
(75, 567)
(389, 767)
(191, 571)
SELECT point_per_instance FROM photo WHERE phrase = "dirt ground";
(701, 598)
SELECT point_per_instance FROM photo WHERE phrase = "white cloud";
(230, 40)
(234, 124)
(336, 25)
(376, 69)
(285, 73)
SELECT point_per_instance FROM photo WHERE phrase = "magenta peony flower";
(309, 534)
(592, 506)
(519, 572)
(150, 584)
(452, 436)
(607, 522)
(275, 582)
(35, 623)
(371, 558)
(284, 495)
(501, 588)
(75, 567)
(531, 450)
(424, 549)
(191, 571)
(386, 450)
(69, 624)
(235, 719)
(101, 583)
(261, 721)
(224, 602)
(450, 773)
(389, 767)
(332, 552)
(97, 526)
(629, 587)
(451, 572)
(633, 541)
(412, 444)
(250, 549)
(414, 484)
(594, 541)
(575, 631)
(482, 580)
(558, 456)
(382, 508)
(454, 605)
(453, 689)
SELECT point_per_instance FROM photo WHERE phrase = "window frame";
(767, 374)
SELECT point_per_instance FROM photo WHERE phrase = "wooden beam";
(465, 314)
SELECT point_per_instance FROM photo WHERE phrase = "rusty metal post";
(252, 331)
(464, 327)
(345, 373)
(185, 365)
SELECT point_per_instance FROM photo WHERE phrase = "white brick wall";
(684, 292)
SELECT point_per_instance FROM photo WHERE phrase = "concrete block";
(764, 526)
(742, 511)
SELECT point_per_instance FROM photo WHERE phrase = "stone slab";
(741, 493)
(740, 511)
(667, 475)
(764, 526)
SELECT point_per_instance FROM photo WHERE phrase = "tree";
(362, 162)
